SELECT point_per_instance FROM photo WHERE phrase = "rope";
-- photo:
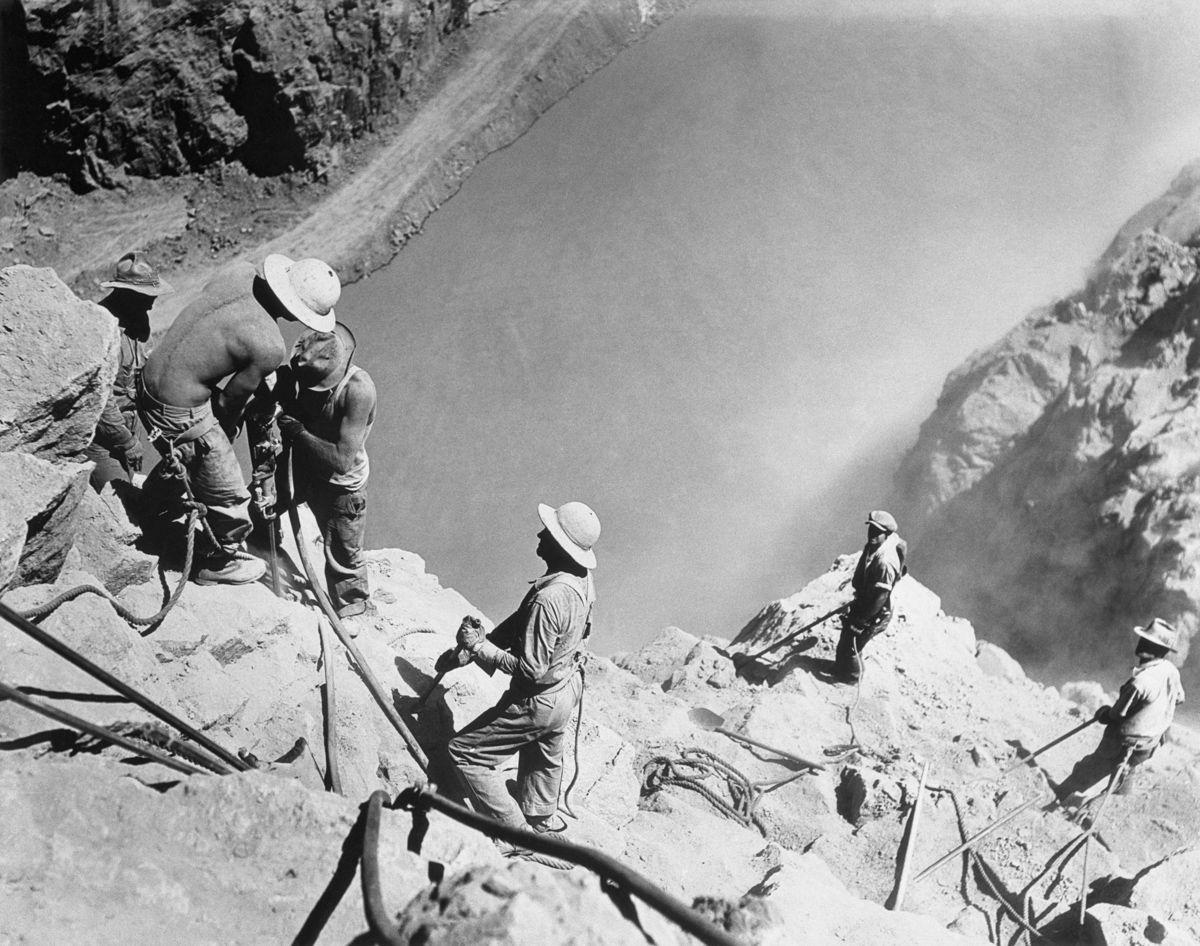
(67, 719)
(663, 771)
(419, 800)
(566, 799)
(53, 643)
(38, 612)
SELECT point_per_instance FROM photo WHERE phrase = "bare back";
(224, 333)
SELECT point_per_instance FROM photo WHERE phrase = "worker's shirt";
(1146, 704)
(539, 643)
(115, 428)
(322, 414)
(879, 567)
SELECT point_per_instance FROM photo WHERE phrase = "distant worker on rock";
(327, 407)
(540, 646)
(1137, 723)
(134, 286)
(880, 566)
(231, 332)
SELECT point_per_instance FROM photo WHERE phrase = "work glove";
(289, 427)
(452, 659)
(263, 488)
(1103, 714)
(470, 634)
(132, 457)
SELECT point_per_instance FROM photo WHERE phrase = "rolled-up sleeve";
(538, 639)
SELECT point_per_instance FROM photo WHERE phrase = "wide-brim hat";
(135, 274)
(1159, 632)
(575, 528)
(307, 288)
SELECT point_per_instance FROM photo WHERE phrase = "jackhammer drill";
(265, 446)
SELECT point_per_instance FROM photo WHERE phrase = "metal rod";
(762, 745)
(1048, 746)
(433, 686)
(914, 819)
(335, 622)
(332, 774)
(1117, 777)
(607, 867)
(74, 657)
(740, 658)
(974, 839)
(67, 719)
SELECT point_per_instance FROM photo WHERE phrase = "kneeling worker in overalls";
(540, 646)
(880, 566)
(1137, 723)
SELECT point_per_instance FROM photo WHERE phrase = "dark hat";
(134, 273)
(882, 520)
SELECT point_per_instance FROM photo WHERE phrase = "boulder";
(58, 359)
(105, 542)
(1170, 890)
(39, 506)
(1109, 925)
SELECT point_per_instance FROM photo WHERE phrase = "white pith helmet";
(575, 528)
(307, 288)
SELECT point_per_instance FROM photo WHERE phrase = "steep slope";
(1051, 494)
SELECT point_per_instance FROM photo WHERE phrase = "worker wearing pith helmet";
(1137, 723)
(229, 332)
(540, 646)
(880, 566)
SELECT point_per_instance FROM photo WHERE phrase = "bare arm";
(326, 457)
(231, 400)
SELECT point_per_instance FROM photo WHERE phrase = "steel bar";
(67, 719)
(914, 820)
(332, 774)
(975, 839)
(745, 658)
(67, 653)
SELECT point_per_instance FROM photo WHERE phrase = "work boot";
(547, 824)
(231, 570)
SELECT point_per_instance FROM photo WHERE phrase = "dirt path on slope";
(495, 79)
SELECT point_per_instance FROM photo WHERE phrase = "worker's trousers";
(342, 518)
(532, 727)
(212, 468)
(856, 634)
(1102, 763)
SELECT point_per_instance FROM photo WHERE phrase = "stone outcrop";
(58, 359)
(164, 88)
(1051, 496)
(39, 506)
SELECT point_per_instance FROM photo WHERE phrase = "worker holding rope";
(880, 566)
(231, 332)
(1137, 723)
(540, 647)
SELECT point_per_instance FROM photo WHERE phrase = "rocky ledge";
(98, 844)
(1053, 493)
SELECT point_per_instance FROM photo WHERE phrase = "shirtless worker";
(231, 332)
(327, 406)
(540, 647)
(1137, 723)
(880, 566)
(133, 287)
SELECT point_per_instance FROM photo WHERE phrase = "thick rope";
(663, 771)
(38, 612)
(565, 805)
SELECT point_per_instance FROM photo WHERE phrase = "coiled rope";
(691, 770)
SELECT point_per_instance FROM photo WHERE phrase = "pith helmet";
(307, 288)
(1159, 632)
(882, 520)
(134, 273)
(575, 528)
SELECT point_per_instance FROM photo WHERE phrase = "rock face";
(162, 88)
(1051, 496)
(39, 514)
(58, 360)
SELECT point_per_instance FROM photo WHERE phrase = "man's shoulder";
(562, 589)
(361, 384)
